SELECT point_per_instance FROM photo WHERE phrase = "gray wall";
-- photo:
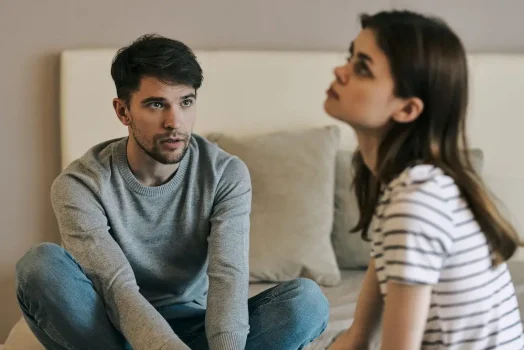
(32, 33)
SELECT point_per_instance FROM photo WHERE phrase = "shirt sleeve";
(227, 318)
(417, 234)
(84, 229)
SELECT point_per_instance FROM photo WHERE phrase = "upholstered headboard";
(242, 93)
(247, 92)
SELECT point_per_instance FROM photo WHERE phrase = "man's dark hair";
(168, 60)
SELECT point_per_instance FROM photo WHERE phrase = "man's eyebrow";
(191, 95)
(153, 99)
(164, 100)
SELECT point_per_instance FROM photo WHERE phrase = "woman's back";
(425, 233)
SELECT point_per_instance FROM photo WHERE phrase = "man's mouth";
(175, 137)
(174, 142)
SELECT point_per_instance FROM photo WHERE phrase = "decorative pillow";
(352, 252)
(293, 179)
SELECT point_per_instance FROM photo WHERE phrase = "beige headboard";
(246, 92)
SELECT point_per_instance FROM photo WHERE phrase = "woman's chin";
(329, 108)
(332, 112)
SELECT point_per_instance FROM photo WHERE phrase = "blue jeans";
(64, 311)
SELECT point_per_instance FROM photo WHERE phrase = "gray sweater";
(143, 247)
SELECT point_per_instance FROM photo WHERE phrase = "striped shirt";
(424, 233)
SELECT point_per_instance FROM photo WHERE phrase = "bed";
(292, 85)
(342, 305)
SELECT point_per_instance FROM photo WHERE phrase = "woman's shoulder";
(426, 181)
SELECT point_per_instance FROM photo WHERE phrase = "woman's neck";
(368, 144)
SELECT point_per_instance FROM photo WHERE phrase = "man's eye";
(187, 103)
(156, 105)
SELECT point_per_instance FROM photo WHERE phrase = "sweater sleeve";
(227, 320)
(85, 233)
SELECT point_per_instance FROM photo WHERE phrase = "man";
(155, 228)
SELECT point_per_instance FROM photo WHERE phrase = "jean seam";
(21, 297)
(267, 300)
(274, 296)
(322, 330)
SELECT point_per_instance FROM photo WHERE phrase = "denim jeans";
(64, 311)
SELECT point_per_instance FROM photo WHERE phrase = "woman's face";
(362, 93)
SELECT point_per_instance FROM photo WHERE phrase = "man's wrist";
(230, 341)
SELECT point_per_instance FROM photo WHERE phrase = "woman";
(437, 276)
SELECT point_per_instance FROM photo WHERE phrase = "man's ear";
(411, 110)
(120, 107)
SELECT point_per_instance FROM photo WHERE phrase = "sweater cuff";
(228, 341)
(175, 344)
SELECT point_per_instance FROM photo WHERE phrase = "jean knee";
(36, 266)
(311, 301)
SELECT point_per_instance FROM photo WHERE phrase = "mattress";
(342, 299)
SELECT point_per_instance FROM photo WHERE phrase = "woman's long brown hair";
(428, 61)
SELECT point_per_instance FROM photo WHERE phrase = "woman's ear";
(411, 110)
(120, 110)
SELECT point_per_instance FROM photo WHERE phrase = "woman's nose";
(341, 74)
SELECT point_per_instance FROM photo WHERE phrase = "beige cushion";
(352, 252)
(293, 178)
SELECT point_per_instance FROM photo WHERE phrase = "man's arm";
(227, 319)
(85, 234)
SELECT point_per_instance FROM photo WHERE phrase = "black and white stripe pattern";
(425, 233)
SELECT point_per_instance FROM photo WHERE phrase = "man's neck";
(146, 169)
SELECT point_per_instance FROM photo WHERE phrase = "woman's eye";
(361, 69)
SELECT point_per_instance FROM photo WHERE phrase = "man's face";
(160, 118)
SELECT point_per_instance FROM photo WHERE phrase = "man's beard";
(156, 153)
